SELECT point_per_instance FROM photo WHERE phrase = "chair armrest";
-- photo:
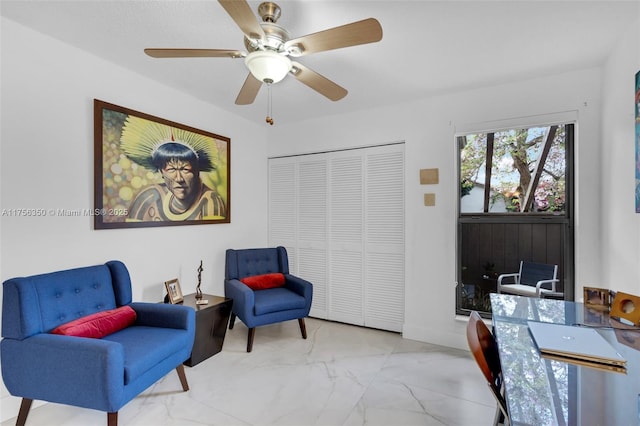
(89, 370)
(164, 315)
(296, 284)
(541, 282)
(243, 297)
(515, 276)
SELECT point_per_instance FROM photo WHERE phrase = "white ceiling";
(428, 47)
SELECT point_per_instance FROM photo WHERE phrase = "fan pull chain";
(269, 119)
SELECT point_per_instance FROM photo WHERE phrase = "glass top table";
(540, 391)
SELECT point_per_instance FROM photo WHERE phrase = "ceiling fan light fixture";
(268, 65)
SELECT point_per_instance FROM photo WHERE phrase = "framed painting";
(150, 171)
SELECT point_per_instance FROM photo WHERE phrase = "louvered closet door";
(282, 201)
(312, 228)
(341, 217)
(384, 239)
(298, 220)
(346, 195)
(283, 207)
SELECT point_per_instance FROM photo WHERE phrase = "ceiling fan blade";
(249, 90)
(241, 13)
(317, 82)
(361, 32)
(194, 53)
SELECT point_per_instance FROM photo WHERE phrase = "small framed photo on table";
(597, 298)
(174, 292)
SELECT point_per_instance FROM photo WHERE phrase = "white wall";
(620, 223)
(428, 129)
(46, 155)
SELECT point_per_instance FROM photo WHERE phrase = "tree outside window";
(513, 171)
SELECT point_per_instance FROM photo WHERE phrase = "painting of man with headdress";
(160, 173)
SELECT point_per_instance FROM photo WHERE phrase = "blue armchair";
(266, 306)
(98, 373)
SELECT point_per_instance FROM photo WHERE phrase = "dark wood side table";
(212, 320)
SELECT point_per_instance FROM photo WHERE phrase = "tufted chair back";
(258, 261)
(40, 303)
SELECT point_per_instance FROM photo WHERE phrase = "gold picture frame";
(174, 292)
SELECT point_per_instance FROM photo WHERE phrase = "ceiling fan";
(270, 47)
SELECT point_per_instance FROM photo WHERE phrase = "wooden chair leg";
(183, 377)
(303, 327)
(112, 419)
(232, 320)
(252, 332)
(25, 406)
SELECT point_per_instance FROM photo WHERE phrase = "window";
(515, 204)
(513, 171)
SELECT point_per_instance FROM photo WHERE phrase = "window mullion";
(526, 206)
(487, 172)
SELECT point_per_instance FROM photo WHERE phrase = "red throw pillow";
(99, 324)
(265, 281)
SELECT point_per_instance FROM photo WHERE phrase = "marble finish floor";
(341, 375)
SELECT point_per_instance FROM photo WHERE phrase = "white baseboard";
(437, 337)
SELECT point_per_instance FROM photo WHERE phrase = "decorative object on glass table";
(626, 308)
(597, 298)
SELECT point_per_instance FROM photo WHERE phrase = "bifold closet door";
(384, 238)
(298, 220)
(346, 248)
(341, 217)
